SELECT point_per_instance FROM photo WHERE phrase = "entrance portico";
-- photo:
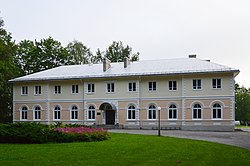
(108, 113)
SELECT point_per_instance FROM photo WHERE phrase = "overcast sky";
(218, 30)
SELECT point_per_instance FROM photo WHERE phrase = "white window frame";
(152, 86)
(171, 86)
(131, 112)
(24, 113)
(91, 112)
(38, 90)
(57, 113)
(110, 89)
(197, 86)
(74, 113)
(132, 87)
(90, 88)
(57, 89)
(24, 90)
(217, 85)
(172, 110)
(37, 112)
(216, 109)
(152, 112)
(74, 89)
(197, 109)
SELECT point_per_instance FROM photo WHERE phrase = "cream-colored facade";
(190, 101)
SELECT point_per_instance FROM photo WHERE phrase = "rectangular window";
(91, 88)
(197, 84)
(132, 86)
(57, 89)
(38, 90)
(172, 85)
(24, 90)
(152, 86)
(110, 87)
(74, 89)
(216, 83)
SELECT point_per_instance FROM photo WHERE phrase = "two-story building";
(191, 94)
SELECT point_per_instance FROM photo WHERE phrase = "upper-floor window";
(152, 112)
(57, 89)
(37, 113)
(197, 84)
(110, 87)
(217, 111)
(74, 89)
(38, 90)
(91, 88)
(216, 83)
(152, 86)
(172, 112)
(24, 90)
(197, 111)
(131, 112)
(172, 85)
(132, 86)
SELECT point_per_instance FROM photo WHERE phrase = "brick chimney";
(106, 64)
(126, 62)
(192, 56)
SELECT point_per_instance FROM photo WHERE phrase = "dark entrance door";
(110, 117)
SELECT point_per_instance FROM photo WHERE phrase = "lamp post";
(159, 121)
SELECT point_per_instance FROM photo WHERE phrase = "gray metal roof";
(139, 68)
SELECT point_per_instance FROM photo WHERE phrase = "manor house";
(187, 93)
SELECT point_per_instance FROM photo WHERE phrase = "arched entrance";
(109, 110)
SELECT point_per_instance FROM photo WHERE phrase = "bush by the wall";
(38, 133)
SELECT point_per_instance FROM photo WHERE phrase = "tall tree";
(8, 70)
(242, 104)
(41, 55)
(116, 52)
(79, 53)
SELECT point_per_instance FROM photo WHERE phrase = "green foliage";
(30, 133)
(41, 55)
(8, 70)
(116, 52)
(242, 104)
(126, 149)
(79, 53)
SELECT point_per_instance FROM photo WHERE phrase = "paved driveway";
(237, 138)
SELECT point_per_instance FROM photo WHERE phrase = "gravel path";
(237, 138)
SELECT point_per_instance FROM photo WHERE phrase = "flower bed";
(38, 133)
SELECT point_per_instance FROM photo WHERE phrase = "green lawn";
(125, 149)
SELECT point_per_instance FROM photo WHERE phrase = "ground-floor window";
(131, 112)
(172, 112)
(152, 112)
(57, 113)
(197, 111)
(37, 113)
(216, 111)
(91, 113)
(74, 113)
(24, 113)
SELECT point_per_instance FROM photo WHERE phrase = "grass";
(125, 149)
(242, 126)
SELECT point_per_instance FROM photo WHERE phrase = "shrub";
(38, 133)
